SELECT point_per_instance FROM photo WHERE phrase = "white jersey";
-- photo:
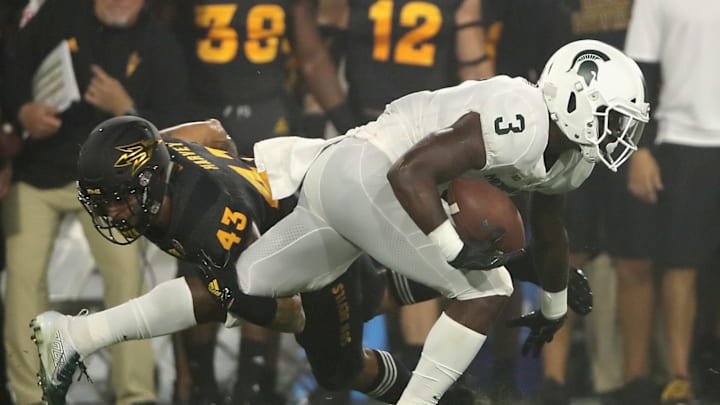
(515, 132)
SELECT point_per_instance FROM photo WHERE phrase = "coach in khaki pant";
(124, 63)
(32, 217)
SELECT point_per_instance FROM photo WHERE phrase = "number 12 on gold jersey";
(413, 48)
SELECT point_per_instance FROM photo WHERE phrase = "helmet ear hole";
(572, 103)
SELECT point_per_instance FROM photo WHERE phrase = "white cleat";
(58, 357)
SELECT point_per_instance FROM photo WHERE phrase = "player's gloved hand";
(542, 330)
(482, 254)
(580, 296)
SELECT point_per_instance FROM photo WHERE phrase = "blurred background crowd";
(317, 68)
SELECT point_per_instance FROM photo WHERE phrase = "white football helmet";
(596, 95)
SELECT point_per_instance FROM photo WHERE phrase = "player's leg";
(304, 252)
(171, 306)
(381, 227)
(333, 336)
(194, 349)
(414, 322)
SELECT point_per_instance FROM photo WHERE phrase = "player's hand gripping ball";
(488, 223)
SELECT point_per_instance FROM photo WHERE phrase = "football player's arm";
(550, 251)
(440, 157)
(472, 57)
(550, 256)
(280, 314)
(288, 312)
(289, 316)
(209, 133)
(317, 67)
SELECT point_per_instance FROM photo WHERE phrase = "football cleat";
(58, 357)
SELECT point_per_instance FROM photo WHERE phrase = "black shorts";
(602, 216)
(688, 207)
(251, 122)
(335, 317)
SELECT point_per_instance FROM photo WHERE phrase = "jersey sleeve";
(644, 31)
(514, 127)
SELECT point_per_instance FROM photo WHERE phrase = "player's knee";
(480, 313)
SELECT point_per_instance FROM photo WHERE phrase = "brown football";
(479, 207)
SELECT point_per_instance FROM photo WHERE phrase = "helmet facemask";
(618, 134)
(125, 214)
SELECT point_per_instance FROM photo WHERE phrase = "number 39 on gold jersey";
(265, 27)
(415, 47)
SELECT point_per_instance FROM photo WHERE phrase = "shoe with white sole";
(58, 357)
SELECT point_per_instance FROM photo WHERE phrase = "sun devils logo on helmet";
(588, 68)
(136, 154)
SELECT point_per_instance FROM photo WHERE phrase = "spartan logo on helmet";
(588, 68)
(136, 154)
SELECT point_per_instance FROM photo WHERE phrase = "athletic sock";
(393, 377)
(449, 349)
(165, 309)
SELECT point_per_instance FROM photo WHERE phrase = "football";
(477, 207)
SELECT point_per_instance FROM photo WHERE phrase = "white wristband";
(553, 305)
(447, 239)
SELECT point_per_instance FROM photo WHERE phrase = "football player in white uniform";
(377, 190)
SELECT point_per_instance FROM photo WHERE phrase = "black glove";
(580, 296)
(482, 254)
(542, 330)
(222, 284)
